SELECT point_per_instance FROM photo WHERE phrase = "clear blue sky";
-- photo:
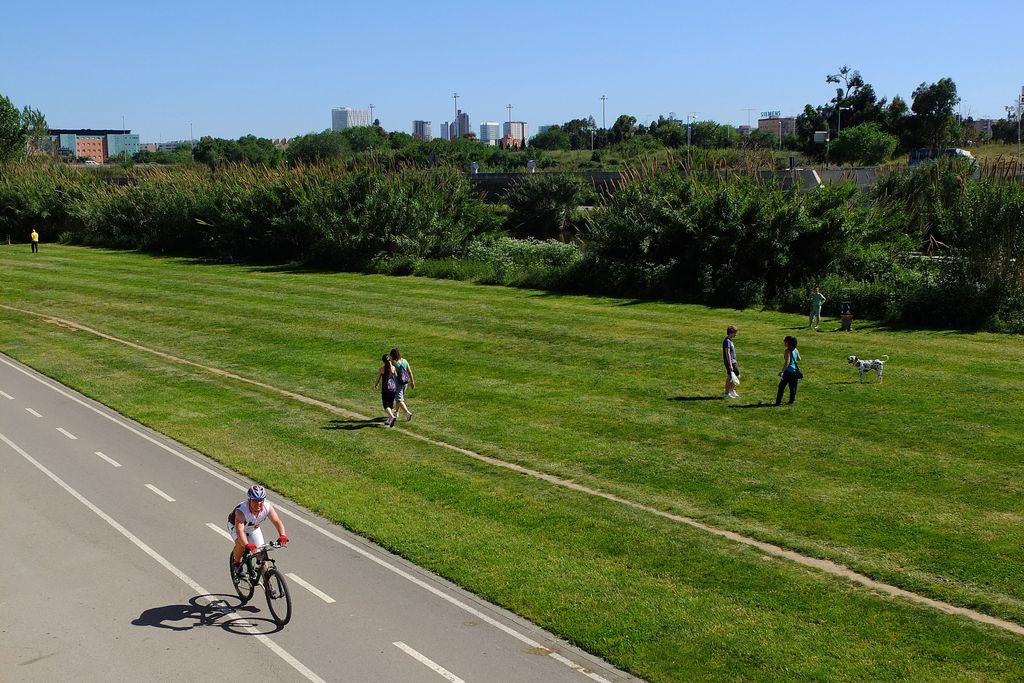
(276, 69)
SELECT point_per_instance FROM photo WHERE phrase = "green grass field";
(916, 482)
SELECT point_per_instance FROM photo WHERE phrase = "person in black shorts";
(388, 387)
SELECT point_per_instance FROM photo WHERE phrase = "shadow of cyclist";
(192, 615)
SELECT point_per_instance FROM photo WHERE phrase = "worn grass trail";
(914, 482)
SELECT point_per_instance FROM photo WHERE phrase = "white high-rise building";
(421, 130)
(517, 130)
(489, 133)
(346, 117)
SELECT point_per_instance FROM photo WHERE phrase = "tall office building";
(460, 126)
(443, 131)
(421, 130)
(346, 117)
(489, 134)
(517, 130)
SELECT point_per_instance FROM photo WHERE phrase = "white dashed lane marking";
(6, 395)
(303, 670)
(219, 530)
(428, 662)
(159, 493)
(311, 588)
(32, 412)
(109, 459)
(67, 433)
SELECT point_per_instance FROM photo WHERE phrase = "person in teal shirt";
(790, 373)
(817, 299)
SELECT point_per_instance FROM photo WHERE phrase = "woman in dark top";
(790, 373)
(388, 387)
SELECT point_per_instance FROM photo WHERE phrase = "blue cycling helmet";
(257, 492)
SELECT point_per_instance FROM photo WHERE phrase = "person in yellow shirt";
(35, 241)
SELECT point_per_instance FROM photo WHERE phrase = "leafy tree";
(365, 138)
(933, 106)
(13, 131)
(552, 138)
(866, 144)
(624, 128)
(669, 132)
(38, 130)
(708, 134)
(1005, 130)
(317, 148)
(580, 132)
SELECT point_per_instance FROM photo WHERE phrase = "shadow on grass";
(355, 424)
(694, 398)
(755, 405)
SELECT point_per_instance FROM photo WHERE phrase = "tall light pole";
(455, 96)
(692, 116)
(1020, 106)
(604, 123)
(191, 142)
(124, 146)
(839, 123)
(509, 107)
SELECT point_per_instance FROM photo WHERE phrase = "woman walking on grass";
(790, 373)
(388, 386)
(729, 358)
(404, 377)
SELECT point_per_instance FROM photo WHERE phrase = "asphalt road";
(114, 568)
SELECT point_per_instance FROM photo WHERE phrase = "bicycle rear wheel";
(242, 585)
(278, 599)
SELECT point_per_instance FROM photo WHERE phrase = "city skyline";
(275, 73)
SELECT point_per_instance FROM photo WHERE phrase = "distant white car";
(91, 162)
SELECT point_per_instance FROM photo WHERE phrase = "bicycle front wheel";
(243, 586)
(278, 599)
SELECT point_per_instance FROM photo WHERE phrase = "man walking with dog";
(817, 299)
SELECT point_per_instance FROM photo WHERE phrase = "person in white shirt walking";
(817, 299)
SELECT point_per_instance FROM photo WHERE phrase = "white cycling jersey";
(252, 522)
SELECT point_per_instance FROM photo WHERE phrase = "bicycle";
(259, 568)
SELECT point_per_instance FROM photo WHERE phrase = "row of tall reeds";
(692, 229)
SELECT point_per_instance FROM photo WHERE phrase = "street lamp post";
(1020, 106)
(604, 123)
(839, 123)
(191, 142)
(692, 116)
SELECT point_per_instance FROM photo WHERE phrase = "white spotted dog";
(863, 366)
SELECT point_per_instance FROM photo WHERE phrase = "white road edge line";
(108, 459)
(274, 647)
(67, 433)
(325, 532)
(220, 531)
(32, 412)
(311, 588)
(6, 395)
(159, 493)
(427, 662)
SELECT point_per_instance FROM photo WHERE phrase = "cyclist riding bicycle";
(244, 523)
